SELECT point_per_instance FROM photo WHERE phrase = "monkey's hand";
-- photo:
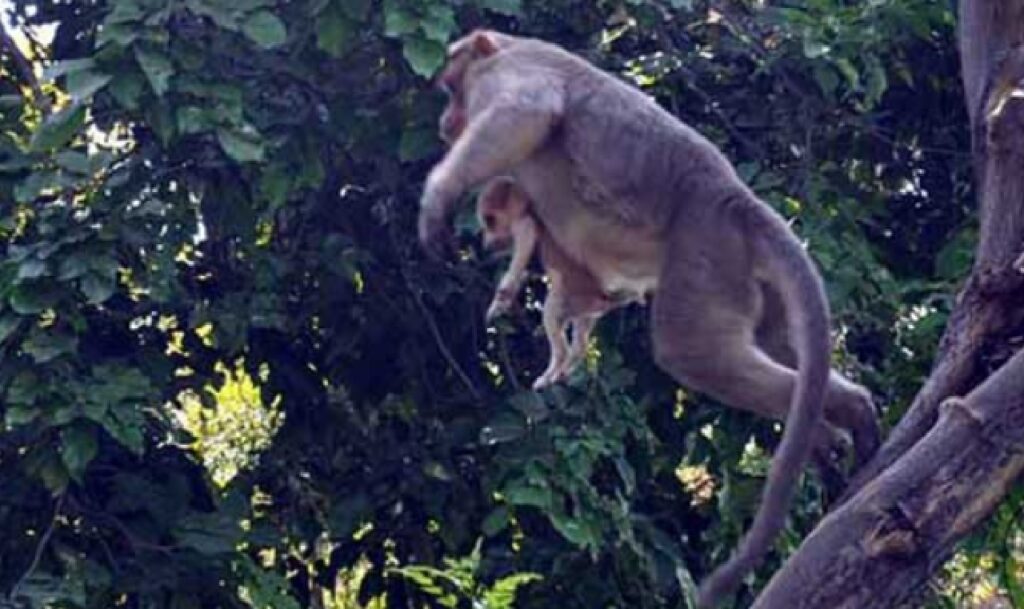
(434, 226)
(501, 304)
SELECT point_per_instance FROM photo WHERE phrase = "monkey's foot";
(570, 363)
(552, 375)
(501, 305)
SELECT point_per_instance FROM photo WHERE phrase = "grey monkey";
(648, 205)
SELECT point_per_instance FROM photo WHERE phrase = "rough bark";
(950, 461)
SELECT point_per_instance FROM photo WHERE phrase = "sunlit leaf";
(83, 85)
(58, 128)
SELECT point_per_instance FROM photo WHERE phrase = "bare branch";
(44, 540)
(883, 544)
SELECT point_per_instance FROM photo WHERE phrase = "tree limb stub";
(989, 305)
(950, 461)
(881, 545)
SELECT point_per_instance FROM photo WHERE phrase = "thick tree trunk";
(950, 461)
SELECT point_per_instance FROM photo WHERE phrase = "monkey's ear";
(484, 44)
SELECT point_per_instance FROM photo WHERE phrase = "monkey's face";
(452, 82)
(453, 121)
(452, 79)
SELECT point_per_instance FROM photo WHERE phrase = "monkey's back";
(629, 151)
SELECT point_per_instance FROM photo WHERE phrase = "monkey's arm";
(499, 136)
(524, 241)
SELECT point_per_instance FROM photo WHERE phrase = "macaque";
(648, 205)
(574, 297)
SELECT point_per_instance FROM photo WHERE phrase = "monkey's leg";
(554, 320)
(704, 315)
(524, 239)
(847, 404)
(582, 326)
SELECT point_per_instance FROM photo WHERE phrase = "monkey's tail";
(792, 272)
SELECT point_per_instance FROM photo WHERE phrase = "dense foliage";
(229, 375)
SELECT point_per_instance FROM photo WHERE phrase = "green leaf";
(417, 144)
(574, 530)
(210, 534)
(506, 427)
(192, 119)
(74, 161)
(244, 147)
(125, 11)
(223, 14)
(78, 447)
(83, 85)
(439, 23)
(515, 7)
(398, 21)
(121, 34)
(848, 70)
(125, 425)
(72, 266)
(67, 66)
(44, 346)
(335, 32)
(356, 9)
(98, 288)
(496, 522)
(815, 48)
(32, 298)
(30, 269)
(54, 475)
(58, 129)
(276, 184)
(24, 389)
(525, 494)
(424, 56)
(126, 89)
(877, 81)
(8, 325)
(265, 29)
(20, 415)
(157, 67)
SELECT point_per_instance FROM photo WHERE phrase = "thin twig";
(432, 324)
(691, 80)
(25, 67)
(506, 360)
(439, 339)
(38, 557)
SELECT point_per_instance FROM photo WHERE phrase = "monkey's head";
(498, 207)
(462, 54)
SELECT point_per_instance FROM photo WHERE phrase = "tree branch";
(883, 544)
(950, 461)
(40, 548)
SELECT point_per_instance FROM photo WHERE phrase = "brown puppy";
(574, 296)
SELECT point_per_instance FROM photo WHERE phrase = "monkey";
(574, 296)
(646, 203)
